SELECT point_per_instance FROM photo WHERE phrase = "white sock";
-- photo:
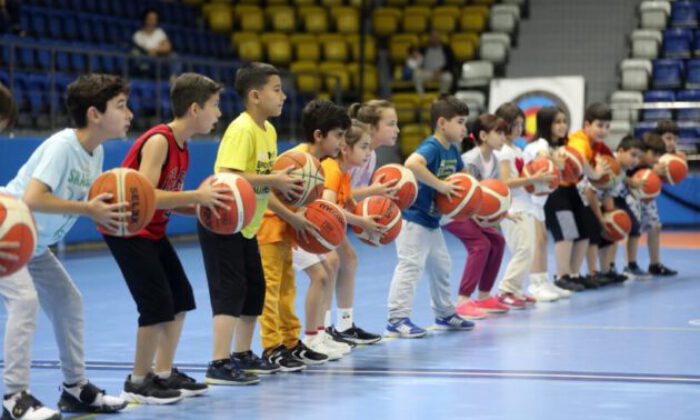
(137, 379)
(344, 319)
(327, 319)
(164, 375)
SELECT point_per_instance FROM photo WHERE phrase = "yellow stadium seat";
(250, 18)
(411, 136)
(282, 18)
(385, 21)
(307, 76)
(315, 19)
(279, 52)
(397, 3)
(422, 10)
(220, 18)
(336, 75)
(268, 37)
(425, 103)
(406, 105)
(349, 22)
(476, 9)
(398, 46)
(425, 38)
(238, 37)
(250, 50)
(335, 49)
(471, 37)
(371, 77)
(464, 45)
(444, 22)
(472, 22)
(370, 47)
(307, 50)
(415, 23)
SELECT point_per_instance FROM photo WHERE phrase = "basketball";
(611, 178)
(677, 169)
(495, 202)
(241, 206)
(463, 204)
(573, 165)
(536, 165)
(16, 225)
(618, 224)
(651, 188)
(330, 220)
(389, 217)
(407, 185)
(308, 169)
(127, 185)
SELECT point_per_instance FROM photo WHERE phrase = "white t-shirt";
(361, 175)
(521, 198)
(68, 169)
(149, 41)
(532, 150)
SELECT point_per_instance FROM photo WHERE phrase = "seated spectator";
(10, 12)
(151, 39)
(437, 65)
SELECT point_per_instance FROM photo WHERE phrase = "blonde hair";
(369, 112)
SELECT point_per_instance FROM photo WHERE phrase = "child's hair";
(355, 133)
(509, 112)
(597, 111)
(8, 107)
(253, 76)
(654, 142)
(369, 112)
(323, 115)
(630, 142)
(92, 90)
(487, 123)
(667, 126)
(191, 88)
(545, 119)
(448, 107)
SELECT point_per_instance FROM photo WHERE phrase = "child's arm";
(514, 182)
(296, 220)
(601, 168)
(282, 181)
(386, 189)
(594, 204)
(368, 224)
(418, 165)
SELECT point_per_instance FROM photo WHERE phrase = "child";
(551, 134)
(150, 266)
(232, 262)
(420, 244)
(54, 183)
(484, 245)
(519, 234)
(324, 125)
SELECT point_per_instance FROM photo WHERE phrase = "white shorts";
(301, 260)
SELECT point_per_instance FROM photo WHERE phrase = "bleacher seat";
(654, 14)
(385, 21)
(307, 76)
(689, 114)
(693, 74)
(658, 96)
(411, 136)
(444, 19)
(476, 74)
(464, 45)
(406, 105)
(621, 103)
(618, 130)
(415, 19)
(504, 18)
(475, 100)
(315, 19)
(635, 74)
(677, 43)
(494, 47)
(667, 74)
(645, 43)
(683, 14)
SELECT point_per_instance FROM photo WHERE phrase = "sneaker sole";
(293, 369)
(310, 362)
(68, 406)
(6, 415)
(359, 341)
(495, 311)
(213, 381)
(451, 328)
(262, 372)
(140, 399)
(189, 393)
(473, 318)
(392, 334)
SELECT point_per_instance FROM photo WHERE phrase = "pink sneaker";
(511, 301)
(491, 305)
(529, 300)
(467, 310)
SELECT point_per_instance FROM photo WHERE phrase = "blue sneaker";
(633, 271)
(404, 328)
(453, 323)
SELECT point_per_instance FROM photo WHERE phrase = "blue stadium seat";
(693, 74)
(667, 74)
(642, 127)
(677, 43)
(683, 15)
(25, 57)
(690, 114)
(38, 24)
(55, 25)
(690, 131)
(70, 27)
(658, 96)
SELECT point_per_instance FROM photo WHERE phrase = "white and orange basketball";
(652, 185)
(536, 165)
(308, 169)
(241, 207)
(16, 225)
(407, 185)
(612, 177)
(389, 217)
(676, 168)
(463, 204)
(618, 224)
(127, 185)
(331, 222)
(573, 165)
(495, 202)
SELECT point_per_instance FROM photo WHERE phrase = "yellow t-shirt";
(248, 148)
(337, 181)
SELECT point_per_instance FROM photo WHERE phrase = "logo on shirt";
(79, 178)
(447, 167)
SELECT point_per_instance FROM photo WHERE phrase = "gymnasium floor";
(623, 352)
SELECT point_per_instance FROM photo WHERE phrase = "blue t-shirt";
(442, 163)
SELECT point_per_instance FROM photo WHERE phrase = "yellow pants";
(278, 322)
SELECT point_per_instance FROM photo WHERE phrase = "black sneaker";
(182, 382)
(588, 282)
(248, 361)
(151, 391)
(566, 282)
(223, 372)
(336, 336)
(91, 399)
(357, 335)
(282, 356)
(603, 279)
(308, 356)
(616, 277)
(661, 270)
(23, 405)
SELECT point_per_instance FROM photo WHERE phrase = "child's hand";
(109, 216)
(302, 225)
(8, 245)
(542, 176)
(513, 217)
(370, 225)
(661, 168)
(386, 189)
(636, 183)
(290, 187)
(450, 188)
(601, 167)
(213, 198)
(559, 158)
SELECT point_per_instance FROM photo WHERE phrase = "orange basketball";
(408, 187)
(618, 224)
(389, 217)
(611, 178)
(241, 207)
(16, 225)
(495, 203)
(536, 165)
(127, 185)
(308, 169)
(465, 203)
(652, 186)
(330, 220)
(677, 169)
(573, 165)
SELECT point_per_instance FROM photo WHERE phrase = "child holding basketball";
(420, 245)
(150, 266)
(54, 183)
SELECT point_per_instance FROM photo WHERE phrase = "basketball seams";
(240, 210)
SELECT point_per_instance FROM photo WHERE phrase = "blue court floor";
(623, 352)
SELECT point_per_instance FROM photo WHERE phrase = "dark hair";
(509, 112)
(597, 111)
(487, 123)
(667, 126)
(545, 119)
(654, 142)
(92, 90)
(253, 76)
(369, 112)
(448, 107)
(148, 11)
(630, 142)
(8, 107)
(191, 88)
(355, 132)
(323, 115)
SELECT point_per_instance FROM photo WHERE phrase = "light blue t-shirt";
(68, 169)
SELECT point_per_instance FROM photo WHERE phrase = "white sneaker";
(318, 345)
(563, 293)
(22, 405)
(542, 293)
(336, 345)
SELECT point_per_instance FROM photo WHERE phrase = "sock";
(327, 319)
(164, 375)
(321, 329)
(344, 319)
(311, 333)
(135, 379)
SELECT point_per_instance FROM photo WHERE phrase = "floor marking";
(593, 327)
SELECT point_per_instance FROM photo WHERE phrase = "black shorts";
(621, 203)
(565, 215)
(234, 273)
(594, 228)
(155, 278)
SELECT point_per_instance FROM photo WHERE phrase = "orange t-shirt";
(337, 181)
(580, 141)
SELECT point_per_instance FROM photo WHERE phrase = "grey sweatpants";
(43, 282)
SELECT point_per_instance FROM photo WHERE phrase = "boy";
(421, 242)
(54, 183)
(147, 260)
(232, 262)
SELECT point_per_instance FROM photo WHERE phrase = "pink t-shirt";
(361, 175)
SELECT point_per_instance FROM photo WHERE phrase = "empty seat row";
(637, 74)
